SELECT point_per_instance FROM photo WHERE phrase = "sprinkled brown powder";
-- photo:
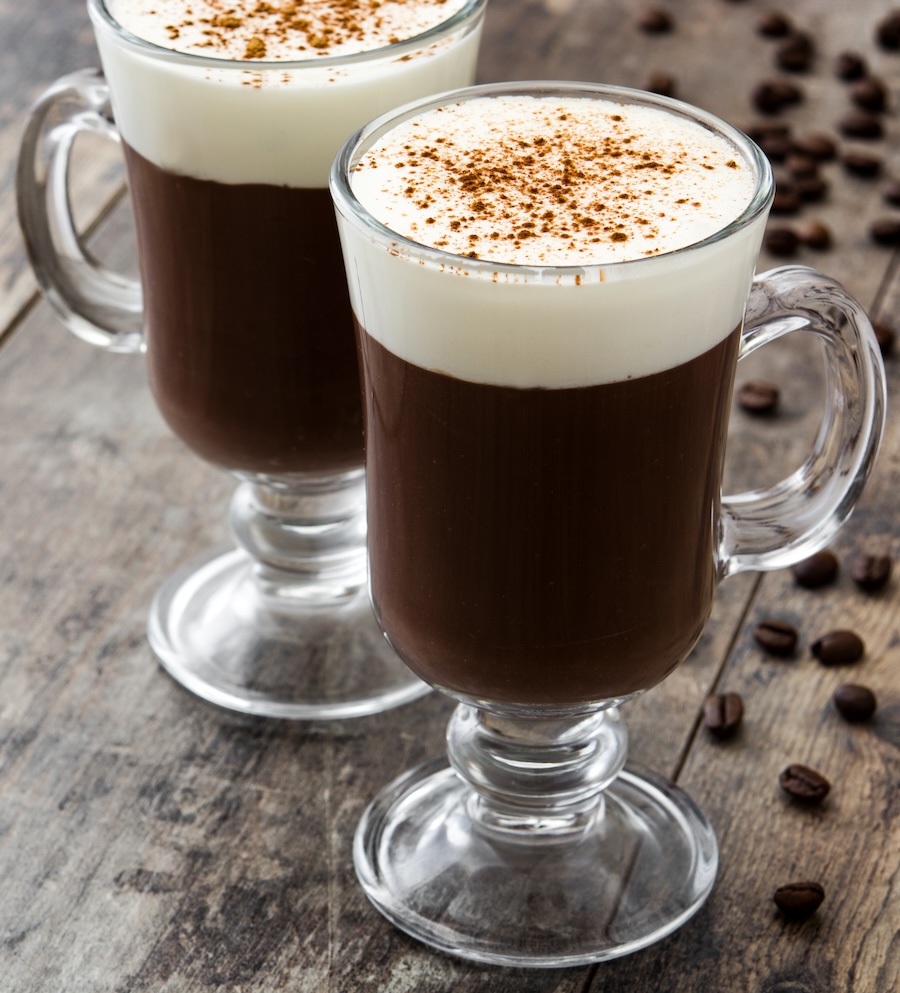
(552, 180)
(256, 49)
(300, 29)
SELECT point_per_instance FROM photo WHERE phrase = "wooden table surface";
(149, 841)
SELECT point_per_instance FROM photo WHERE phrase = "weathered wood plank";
(38, 43)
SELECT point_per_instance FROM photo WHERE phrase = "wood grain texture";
(149, 842)
(38, 43)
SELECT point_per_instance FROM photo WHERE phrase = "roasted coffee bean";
(818, 570)
(772, 96)
(757, 397)
(887, 31)
(811, 189)
(891, 193)
(723, 713)
(860, 125)
(815, 235)
(786, 201)
(885, 336)
(795, 53)
(776, 637)
(774, 24)
(804, 784)
(798, 901)
(869, 93)
(800, 165)
(767, 99)
(838, 648)
(885, 231)
(777, 147)
(861, 164)
(817, 146)
(661, 83)
(763, 130)
(655, 20)
(850, 66)
(854, 702)
(871, 572)
(781, 241)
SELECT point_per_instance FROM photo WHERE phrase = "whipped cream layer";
(505, 186)
(277, 122)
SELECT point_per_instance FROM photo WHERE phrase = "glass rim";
(466, 17)
(359, 143)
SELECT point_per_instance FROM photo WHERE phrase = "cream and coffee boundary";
(548, 326)
(272, 120)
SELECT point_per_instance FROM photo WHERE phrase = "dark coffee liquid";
(250, 343)
(544, 546)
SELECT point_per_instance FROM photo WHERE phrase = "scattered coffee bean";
(885, 336)
(786, 201)
(763, 130)
(798, 901)
(861, 164)
(871, 572)
(772, 96)
(854, 702)
(777, 147)
(804, 784)
(887, 31)
(661, 83)
(816, 571)
(757, 397)
(885, 231)
(865, 127)
(800, 165)
(723, 713)
(817, 146)
(891, 193)
(776, 637)
(838, 648)
(774, 24)
(795, 53)
(815, 235)
(869, 93)
(850, 66)
(655, 20)
(811, 189)
(781, 241)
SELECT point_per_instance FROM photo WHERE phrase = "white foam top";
(281, 30)
(539, 181)
(274, 122)
(572, 181)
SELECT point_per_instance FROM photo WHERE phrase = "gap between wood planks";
(91, 229)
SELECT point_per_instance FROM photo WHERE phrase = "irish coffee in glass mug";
(230, 115)
(552, 284)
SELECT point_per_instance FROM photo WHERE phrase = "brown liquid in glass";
(544, 546)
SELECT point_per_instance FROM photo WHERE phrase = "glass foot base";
(274, 655)
(643, 867)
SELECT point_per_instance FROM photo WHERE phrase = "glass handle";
(778, 526)
(102, 306)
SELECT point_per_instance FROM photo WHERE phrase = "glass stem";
(536, 778)
(306, 534)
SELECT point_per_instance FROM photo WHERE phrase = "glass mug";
(247, 328)
(544, 450)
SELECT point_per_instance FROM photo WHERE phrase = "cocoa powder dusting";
(572, 186)
(299, 29)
